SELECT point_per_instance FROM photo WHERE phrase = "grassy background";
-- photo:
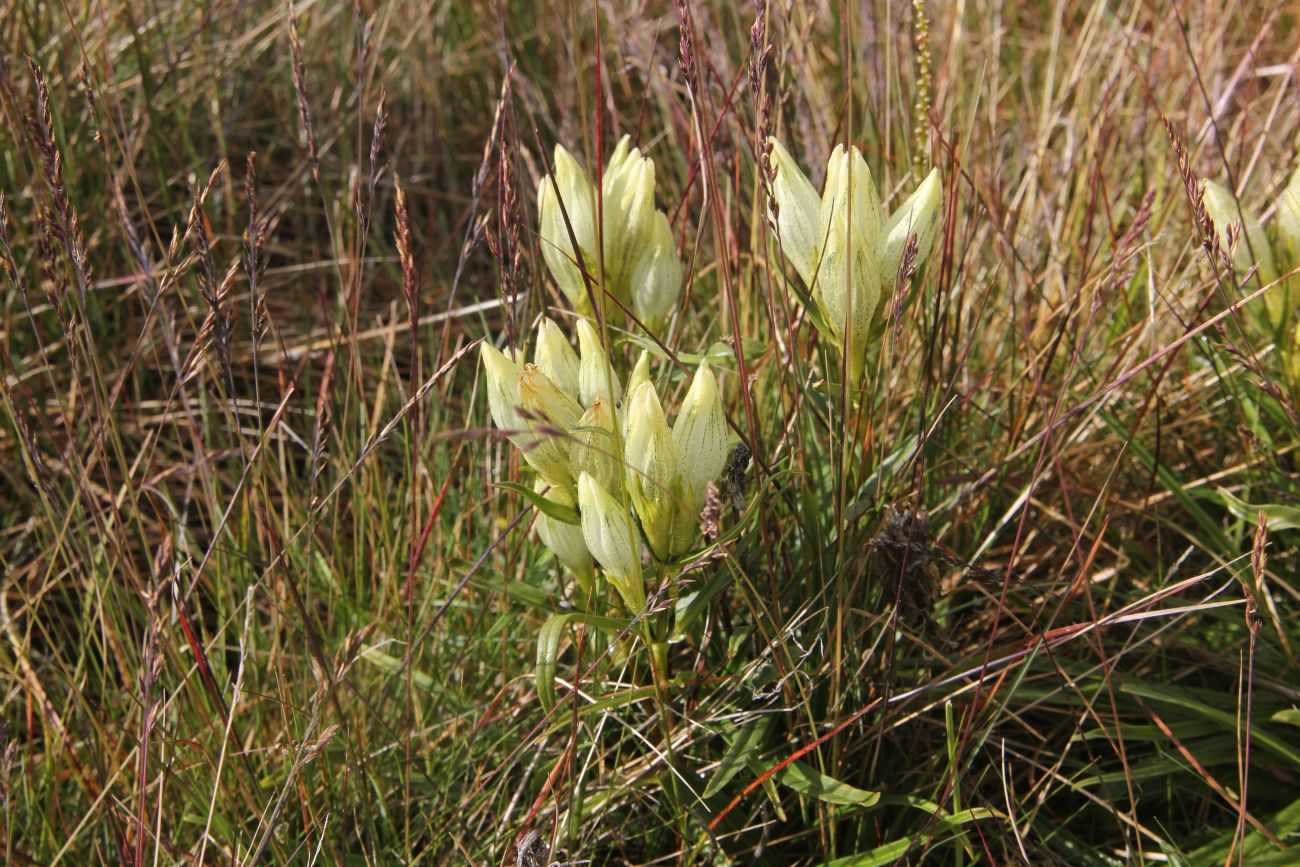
(261, 604)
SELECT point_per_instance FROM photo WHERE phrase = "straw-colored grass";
(260, 602)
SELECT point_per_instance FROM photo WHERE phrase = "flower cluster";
(1271, 252)
(638, 263)
(606, 456)
(846, 250)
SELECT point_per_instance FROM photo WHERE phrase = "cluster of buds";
(606, 456)
(638, 263)
(847, 251)
(1272, 253)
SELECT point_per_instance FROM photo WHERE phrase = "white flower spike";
(842, 245)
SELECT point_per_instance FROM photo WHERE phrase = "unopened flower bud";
(564, 539)
(578, 195)
(651, 465)
(595, 376)
(503, 390)
(554, 356)
(550, 414)
(798, 209)
(700, 443)
(595, 450)
(611, 538)
(657, 277)
(919, 216)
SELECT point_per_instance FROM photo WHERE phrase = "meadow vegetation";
(271, 583)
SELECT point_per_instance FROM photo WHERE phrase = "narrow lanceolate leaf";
(553, 509)
(806, 781)
(548, 648)
(744, 745)
(1278, 515)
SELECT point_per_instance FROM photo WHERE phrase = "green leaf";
(889, 853)
(814, 784)
(718, 353)
(692, 604)
(1290, 717)
(548, 648)
(745, 743)
(1279, 517)
(1198, 705)
(551, 509)
(392, 665)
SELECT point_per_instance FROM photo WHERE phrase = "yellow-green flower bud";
(628, 190)
(640, 373)
(850, 196)
(596, 378)
(554, 356)
(550, 415)
(651, 463)
(594, 450)
(918, 215)
(797, 218)
(611, 539)
(700, 443)
(848, 289)
(848, 276)
(578, 195)
(657, 277)
(503, 390)
(564, 539)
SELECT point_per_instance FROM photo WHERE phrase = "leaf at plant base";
(890, 853)
(692, 604)
(548, 648)
(551, 509)
(1279, 517)
(1195, 701)
(814, 784)
(744, 744)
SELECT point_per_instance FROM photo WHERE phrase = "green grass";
(261, 602)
